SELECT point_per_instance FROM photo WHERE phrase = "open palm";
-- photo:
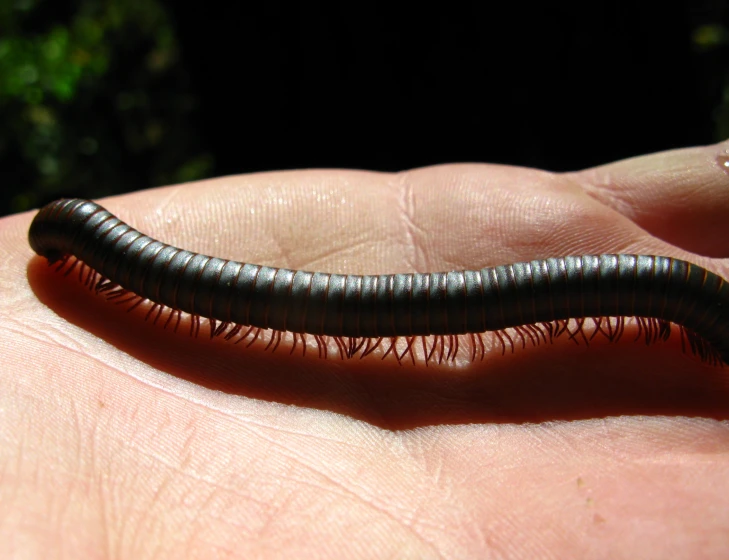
(122, 439)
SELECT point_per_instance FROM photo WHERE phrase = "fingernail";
(722, 160)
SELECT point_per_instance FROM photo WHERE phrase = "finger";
(680, 196)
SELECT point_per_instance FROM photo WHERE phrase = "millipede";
(399, 314)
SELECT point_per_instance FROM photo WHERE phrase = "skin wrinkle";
(107, 505)
(407, 218)
(346, 491)
(316, 438)
(594, 184)
(325, 257)
(150, 518)
(300, 460)
(216, 495)
(165, 207)
(76, 422)
(420, 520)
(371, 505)
(242, 530)
(407, 514)
(263, 530)
(22, 329)
(197, 477)
(63, 340)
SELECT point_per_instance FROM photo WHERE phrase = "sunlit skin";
(121, 439)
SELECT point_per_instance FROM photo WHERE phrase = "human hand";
(125, 439)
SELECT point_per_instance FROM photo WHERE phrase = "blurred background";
(107, 96)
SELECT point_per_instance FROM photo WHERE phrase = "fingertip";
(722, 157)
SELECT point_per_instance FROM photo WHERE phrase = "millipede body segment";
(535, 298)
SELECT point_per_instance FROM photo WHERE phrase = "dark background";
(108, 96)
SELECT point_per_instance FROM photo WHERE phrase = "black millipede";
(531, 302)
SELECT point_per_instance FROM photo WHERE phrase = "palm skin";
(125, 440)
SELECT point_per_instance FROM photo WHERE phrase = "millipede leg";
(518, 331)
(408, 349)
(393, 342)
(132, 297)
(580, 329)
(222, 328)
(365, 351)
(571, 335)
(533, 338)
(90, 277)
(611, 333)
(61, 263)
(277, 335)
(664, 329)
(472, 337)
(340, 345)
(454, 342)
(511, 340)
(561, 327)
(640, 329)
(70, 268)
(501, 339)
(480, 342)
(651, 331)
(270, 340)
(597, 327)
(549, 326)
(319, 345)
(245, 335)
(369, 350)
(449, 346)
(151, 310)
(257, 333)
(104, 286)
(116, 294)
(537, 330)
(619, 328)
(293, 344)
(233, 332)
(432, 349)
(359, 346)
(139, 301)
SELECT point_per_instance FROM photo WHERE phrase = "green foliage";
(93, 103)
(710, 36)
(707, 40)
